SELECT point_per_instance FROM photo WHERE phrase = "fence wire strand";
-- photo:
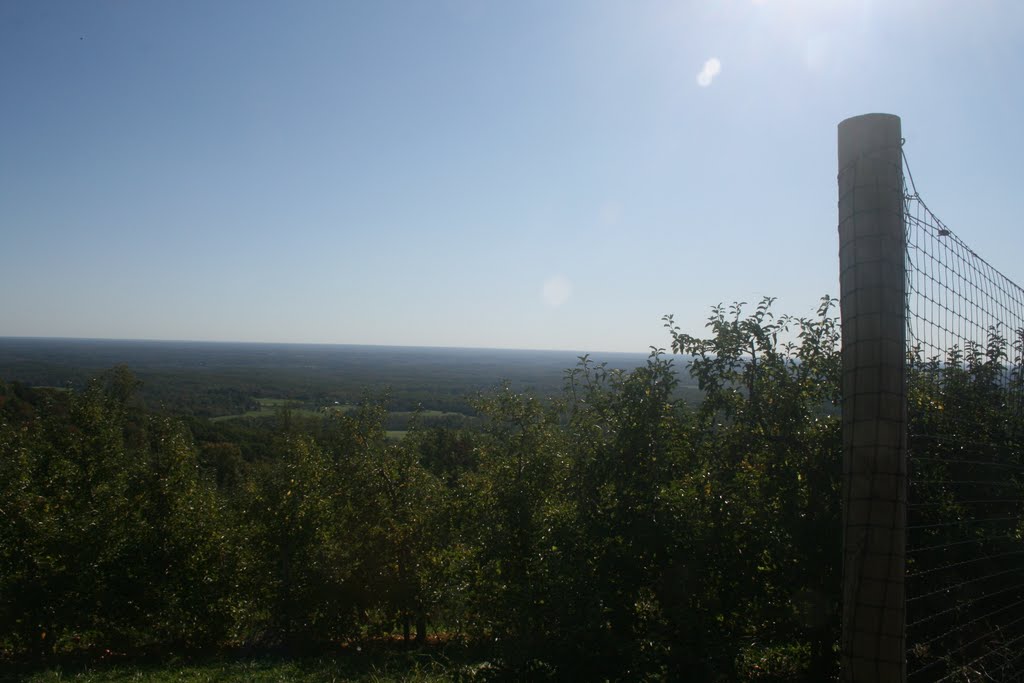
(965, 415)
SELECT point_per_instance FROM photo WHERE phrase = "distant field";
(269, 407)
(409, 414)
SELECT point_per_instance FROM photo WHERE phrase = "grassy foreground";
(418, 667)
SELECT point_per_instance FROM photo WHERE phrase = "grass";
(376, 667)
(270, 406)
(426, 413)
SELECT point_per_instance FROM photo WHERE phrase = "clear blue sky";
(469, 173)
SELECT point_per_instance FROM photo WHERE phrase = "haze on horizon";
(108, 343)
(462, 174)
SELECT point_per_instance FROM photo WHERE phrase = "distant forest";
(216, 379)
(600, 523)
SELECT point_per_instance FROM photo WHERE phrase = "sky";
(527, 174)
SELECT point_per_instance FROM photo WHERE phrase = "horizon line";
(283, 343)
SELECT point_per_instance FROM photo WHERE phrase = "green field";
(397, 420)
(269, 407)
(428, 413)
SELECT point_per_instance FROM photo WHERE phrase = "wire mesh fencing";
(965, 505)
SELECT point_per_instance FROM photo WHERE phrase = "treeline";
(612, 533)
(213, 379)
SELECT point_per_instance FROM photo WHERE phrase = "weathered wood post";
(872, 252)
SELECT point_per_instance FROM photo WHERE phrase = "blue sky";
(468, 173)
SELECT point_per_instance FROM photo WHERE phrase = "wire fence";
(965, 412)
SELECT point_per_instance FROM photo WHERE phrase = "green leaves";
(613, 531)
